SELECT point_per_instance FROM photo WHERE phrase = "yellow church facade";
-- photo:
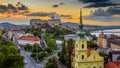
(85, 57)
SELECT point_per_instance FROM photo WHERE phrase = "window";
(88, 67)
(76, 56)
(82, 56)
(82, 41)
(94, 57)
(82, 45)
(76, 45)
(100, 67)
(94, 67)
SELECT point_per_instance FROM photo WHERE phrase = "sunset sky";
(95, 12)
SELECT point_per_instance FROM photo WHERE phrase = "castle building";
(84, 57)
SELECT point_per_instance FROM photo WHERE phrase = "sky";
(95, 12)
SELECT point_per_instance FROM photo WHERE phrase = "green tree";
(92, 45)
(65, 55)
(70, 44)
(2, 59)
(48, 50)
(10, 43)
(36, 48)
(51, 63)
(27, 47)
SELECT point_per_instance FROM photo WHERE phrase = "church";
(82, 56)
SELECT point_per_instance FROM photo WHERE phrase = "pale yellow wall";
(91, 61)
(100, 41)
(0, 32)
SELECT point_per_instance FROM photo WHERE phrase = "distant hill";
(76, 25)
(71, 25)
(6, 24)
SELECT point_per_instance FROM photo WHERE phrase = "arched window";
(94, 57)
(82, 56)
(82, 45)
(76, 56)
(100, 67)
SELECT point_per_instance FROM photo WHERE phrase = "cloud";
(42, 14)
(111, 11)
(61, 3)
(112, 14)
(13, 9)
(93, 1)
(66, 16)
(105, 4)
(98, 3)
(55, 5)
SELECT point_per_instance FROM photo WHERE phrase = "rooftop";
(112, 65)
(29, 38)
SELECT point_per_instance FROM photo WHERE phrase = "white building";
(13, 32)
(28, 39)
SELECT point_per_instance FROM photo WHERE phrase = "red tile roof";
(73, 51)
(89, 51)
(111, 65)
(29, 38)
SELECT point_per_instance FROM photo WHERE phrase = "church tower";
(80, 44)
(83, 56)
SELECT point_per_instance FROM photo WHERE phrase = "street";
(31, 63)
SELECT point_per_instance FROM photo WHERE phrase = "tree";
(2, 59)
(10, 43)
(27, 47)
(48, 50)
(65, 55)
(51, 63)
(70, 44)
(92, 45)
(36, 48)
(14, 60)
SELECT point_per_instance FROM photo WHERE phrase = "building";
(28, 39)
(115, 56)
(85, 57)
(102, 40)
(114, 42)
(70, 36)
(37, 23)
(12, 32)
(112, 65)
(0, 32)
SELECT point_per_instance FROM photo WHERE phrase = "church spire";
(81, 31)
(81, 23)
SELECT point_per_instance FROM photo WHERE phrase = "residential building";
(12, 32)
(85, 57)
(0, 32)
(114, 42)
(115, 56)
(102, 40)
